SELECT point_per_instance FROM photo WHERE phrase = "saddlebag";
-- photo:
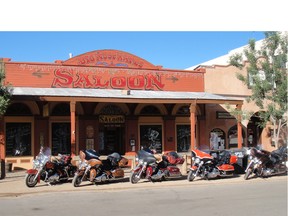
(118, 173)
(174, 158)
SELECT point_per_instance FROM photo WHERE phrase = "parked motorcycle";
(50, 169)
(208, 167)
(92, 168)
(156, 166)
(264, 163)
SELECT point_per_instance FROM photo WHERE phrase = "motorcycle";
(50, 169)
(156, 166)
(264, 163)
(92, 168)
(208, 167)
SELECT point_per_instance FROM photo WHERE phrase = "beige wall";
(222, 80)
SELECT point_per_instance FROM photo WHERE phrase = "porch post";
(192, 124)
(73, 123)
(239, 127)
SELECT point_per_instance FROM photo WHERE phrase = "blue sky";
(171, 49)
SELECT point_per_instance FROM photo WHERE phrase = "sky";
(173, 34)
(173, 49)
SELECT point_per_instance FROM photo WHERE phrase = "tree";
(267, 79)
(5, 91)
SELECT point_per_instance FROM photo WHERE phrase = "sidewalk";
(14, 175)
(14, 184)
(17, 174)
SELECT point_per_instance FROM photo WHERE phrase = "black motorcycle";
(264, 163)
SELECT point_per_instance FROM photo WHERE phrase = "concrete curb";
(15, 186)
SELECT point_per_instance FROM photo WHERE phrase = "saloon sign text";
(67, 78)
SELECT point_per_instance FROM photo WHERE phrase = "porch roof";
(115, 95)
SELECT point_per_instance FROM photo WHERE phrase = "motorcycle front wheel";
(133, 177)
(191, 175)
(29, 180)
(77, 179)
(247, 174)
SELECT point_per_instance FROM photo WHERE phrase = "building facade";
(220, 78)
(110, 100)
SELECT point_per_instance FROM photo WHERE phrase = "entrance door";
(113, 138)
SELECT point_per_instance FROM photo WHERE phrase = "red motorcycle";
(206, 166)
(156, 166)
(50, 169)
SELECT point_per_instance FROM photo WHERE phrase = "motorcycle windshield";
(46, 151)
(146, 156)
(91, 154)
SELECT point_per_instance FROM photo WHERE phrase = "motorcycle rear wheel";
(133, 179)
(191, 175)
(247, 174)
(29, 180)
(77, 179)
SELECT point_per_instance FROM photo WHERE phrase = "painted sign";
(116, 119)
(103, 70)
(67, 78)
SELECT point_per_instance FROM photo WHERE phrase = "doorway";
(112, 139)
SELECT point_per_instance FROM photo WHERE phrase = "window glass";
(151, 137)
(183, 138)
(18, 139)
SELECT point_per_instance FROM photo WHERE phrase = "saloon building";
(111, 100)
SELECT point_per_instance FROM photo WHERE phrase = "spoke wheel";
(77, 179)
(133, 177)
(247, 174)
(191, 175)
(29, 180)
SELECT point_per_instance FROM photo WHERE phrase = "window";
(217, 139)
(183, 138)
(18, 139)
(61, 138)
(151, 137)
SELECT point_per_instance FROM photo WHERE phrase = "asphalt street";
(223, 197)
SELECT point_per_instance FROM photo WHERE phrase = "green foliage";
(5, 91)
(266, 76)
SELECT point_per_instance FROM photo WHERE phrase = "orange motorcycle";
(92, 168)
(207, 167)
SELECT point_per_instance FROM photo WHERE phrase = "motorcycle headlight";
(140, 161)
(197, 160)
(248, 151)
(82, 165)
(36, 164)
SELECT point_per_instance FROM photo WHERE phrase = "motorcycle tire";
(191, 175)
(247, 174)
(77, 179)
(29, 180)
(133, 179)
